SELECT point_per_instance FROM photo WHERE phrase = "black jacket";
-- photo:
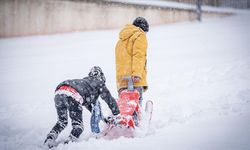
(90, 88)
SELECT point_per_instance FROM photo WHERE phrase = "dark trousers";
(65, 104)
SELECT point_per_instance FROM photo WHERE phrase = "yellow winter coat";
(131, 53)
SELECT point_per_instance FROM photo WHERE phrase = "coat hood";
(128, 31)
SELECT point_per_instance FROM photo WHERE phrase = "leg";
(140, 89)
(75, 113)
(61, 108)
(137, 114)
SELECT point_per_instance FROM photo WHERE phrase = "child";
(131, 57)
(71, 95)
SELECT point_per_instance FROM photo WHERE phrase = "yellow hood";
(128, 31)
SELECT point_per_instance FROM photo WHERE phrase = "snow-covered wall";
(34, 17)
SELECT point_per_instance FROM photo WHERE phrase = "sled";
(128, 104)
(130, 113)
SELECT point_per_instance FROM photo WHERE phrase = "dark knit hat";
(96, 71)
(142, 23)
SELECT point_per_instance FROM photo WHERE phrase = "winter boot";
(49, 141)
(71, 138)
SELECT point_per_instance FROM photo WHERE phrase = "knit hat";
(142, 23)
(96, 71)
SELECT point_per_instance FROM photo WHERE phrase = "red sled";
(128, 104)
(130, 113)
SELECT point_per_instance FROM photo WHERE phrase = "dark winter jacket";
(90, 88)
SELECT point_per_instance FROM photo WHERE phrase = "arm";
(111, 102)
(139, 55)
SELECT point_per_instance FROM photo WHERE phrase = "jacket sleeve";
(111, 102)
(139, 55)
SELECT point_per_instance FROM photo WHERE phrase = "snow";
(198, 76)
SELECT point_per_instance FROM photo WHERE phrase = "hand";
(113, 119)
(136, 79)
(109, 120)
(117, 119)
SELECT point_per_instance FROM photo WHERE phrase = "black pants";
(65, 104)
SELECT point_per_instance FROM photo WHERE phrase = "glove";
(117, 119)
(113, 119)
(108, 120)
(136, 79)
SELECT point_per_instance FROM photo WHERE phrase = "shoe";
(49, 141)
(71, 138)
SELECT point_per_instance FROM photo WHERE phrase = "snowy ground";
(198, 79)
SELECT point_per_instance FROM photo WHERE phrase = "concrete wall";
(208, 2)
(243, 4)
(35, 17)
